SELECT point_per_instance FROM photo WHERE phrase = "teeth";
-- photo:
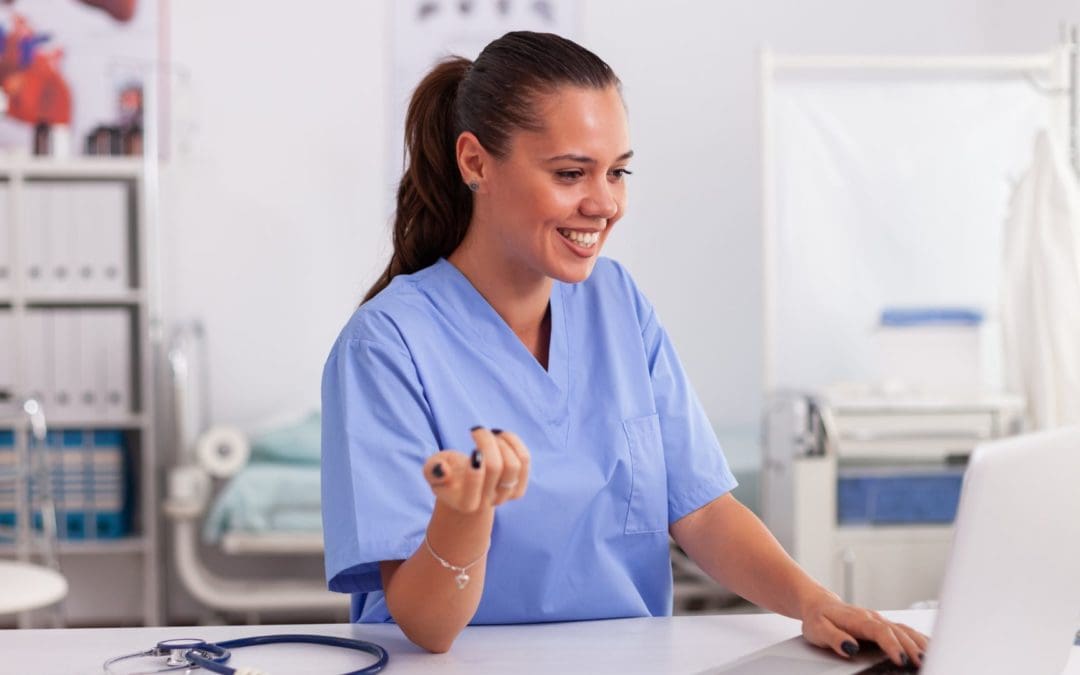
(581, 238)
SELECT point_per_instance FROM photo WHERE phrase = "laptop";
(1010, 600)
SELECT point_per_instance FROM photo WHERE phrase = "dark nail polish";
(496, 431)
(904, 660)
(437, 471)
(478, 426)
(477, 459)
(850, 648)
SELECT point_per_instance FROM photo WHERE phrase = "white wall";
(275, 195)
(273, 198)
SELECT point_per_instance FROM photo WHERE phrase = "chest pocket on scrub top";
(648, 491)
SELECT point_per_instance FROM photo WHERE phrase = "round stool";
(24, 586)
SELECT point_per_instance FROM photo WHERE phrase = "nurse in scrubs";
(508, 433)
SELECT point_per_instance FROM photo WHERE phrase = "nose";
(600, 203)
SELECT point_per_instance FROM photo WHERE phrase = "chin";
(576, 273)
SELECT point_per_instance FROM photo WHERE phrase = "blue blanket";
(267, 497)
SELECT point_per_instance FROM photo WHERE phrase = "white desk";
(667, 645)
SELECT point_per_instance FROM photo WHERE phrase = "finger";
(474, 479)
(450, 471)
(922, 640)
(885, 638)
(491, 459)
(508, 481)
(452, 486)
(824, 633)
(911, 648)
(869, 625)
(524, 458)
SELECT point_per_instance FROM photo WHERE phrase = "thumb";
(442, 468)
(824, 633)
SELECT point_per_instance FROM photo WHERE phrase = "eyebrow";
(584, 159)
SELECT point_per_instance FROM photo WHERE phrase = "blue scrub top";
(620, 445)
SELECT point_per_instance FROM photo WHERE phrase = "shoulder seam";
(383, 345)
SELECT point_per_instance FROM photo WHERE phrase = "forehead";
(580, 120)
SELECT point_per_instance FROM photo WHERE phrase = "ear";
(472, 158)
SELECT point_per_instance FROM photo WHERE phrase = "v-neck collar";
(474, 313)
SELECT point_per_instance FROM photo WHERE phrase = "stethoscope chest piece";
(177, 650)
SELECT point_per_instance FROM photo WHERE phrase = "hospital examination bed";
(253, 500)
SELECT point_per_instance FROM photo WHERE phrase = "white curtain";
(1040, 299)
(889, 191)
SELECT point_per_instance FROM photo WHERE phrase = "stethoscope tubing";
(212, 656)
(285, 638)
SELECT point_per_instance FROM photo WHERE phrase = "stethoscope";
(189, 653)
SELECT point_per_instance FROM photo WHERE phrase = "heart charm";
(461, 579)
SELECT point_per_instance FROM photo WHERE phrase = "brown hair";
(491, 97)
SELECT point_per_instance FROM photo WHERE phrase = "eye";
(570, 174)
(619, 174)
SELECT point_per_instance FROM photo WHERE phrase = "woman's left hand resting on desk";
(734, 547)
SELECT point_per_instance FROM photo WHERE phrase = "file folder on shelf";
(5, 243)
(78, 362)
(58, 225)
(64, 401)
(75, 238)
(37, 342)
(116, 334)
(7, 364)
(102, 230)
(34, 236)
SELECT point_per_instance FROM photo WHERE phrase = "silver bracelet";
(462, 578)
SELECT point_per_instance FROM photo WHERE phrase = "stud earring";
(474, 186)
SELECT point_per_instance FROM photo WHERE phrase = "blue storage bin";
(902, 496)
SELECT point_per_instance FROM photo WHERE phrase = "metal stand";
(35, 528)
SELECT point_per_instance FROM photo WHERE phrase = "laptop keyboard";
(887, 667)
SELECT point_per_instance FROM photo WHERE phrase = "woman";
(497, 313)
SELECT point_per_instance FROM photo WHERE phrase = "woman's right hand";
(496, 472)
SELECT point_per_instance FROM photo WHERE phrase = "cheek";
(544, 202)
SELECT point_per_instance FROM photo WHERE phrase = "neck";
(519, 295)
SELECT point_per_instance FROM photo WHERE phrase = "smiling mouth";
(582, 239)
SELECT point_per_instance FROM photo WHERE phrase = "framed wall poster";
(73, 63)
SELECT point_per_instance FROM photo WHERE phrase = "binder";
(105, 228)
(84, 272)
(91, 385)
(7, 364)
(105, 363)
(35, 236)
(37, 350)
(66, 404)
(58, 226)
(6, 257)
(116, 331)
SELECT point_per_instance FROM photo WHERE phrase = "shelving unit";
(877, 565)
(96, 568)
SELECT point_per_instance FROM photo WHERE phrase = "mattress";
(267, 498)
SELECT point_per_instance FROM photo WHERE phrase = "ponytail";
(433, 204)
(492, 98)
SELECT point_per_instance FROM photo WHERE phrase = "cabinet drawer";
(889, 568)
